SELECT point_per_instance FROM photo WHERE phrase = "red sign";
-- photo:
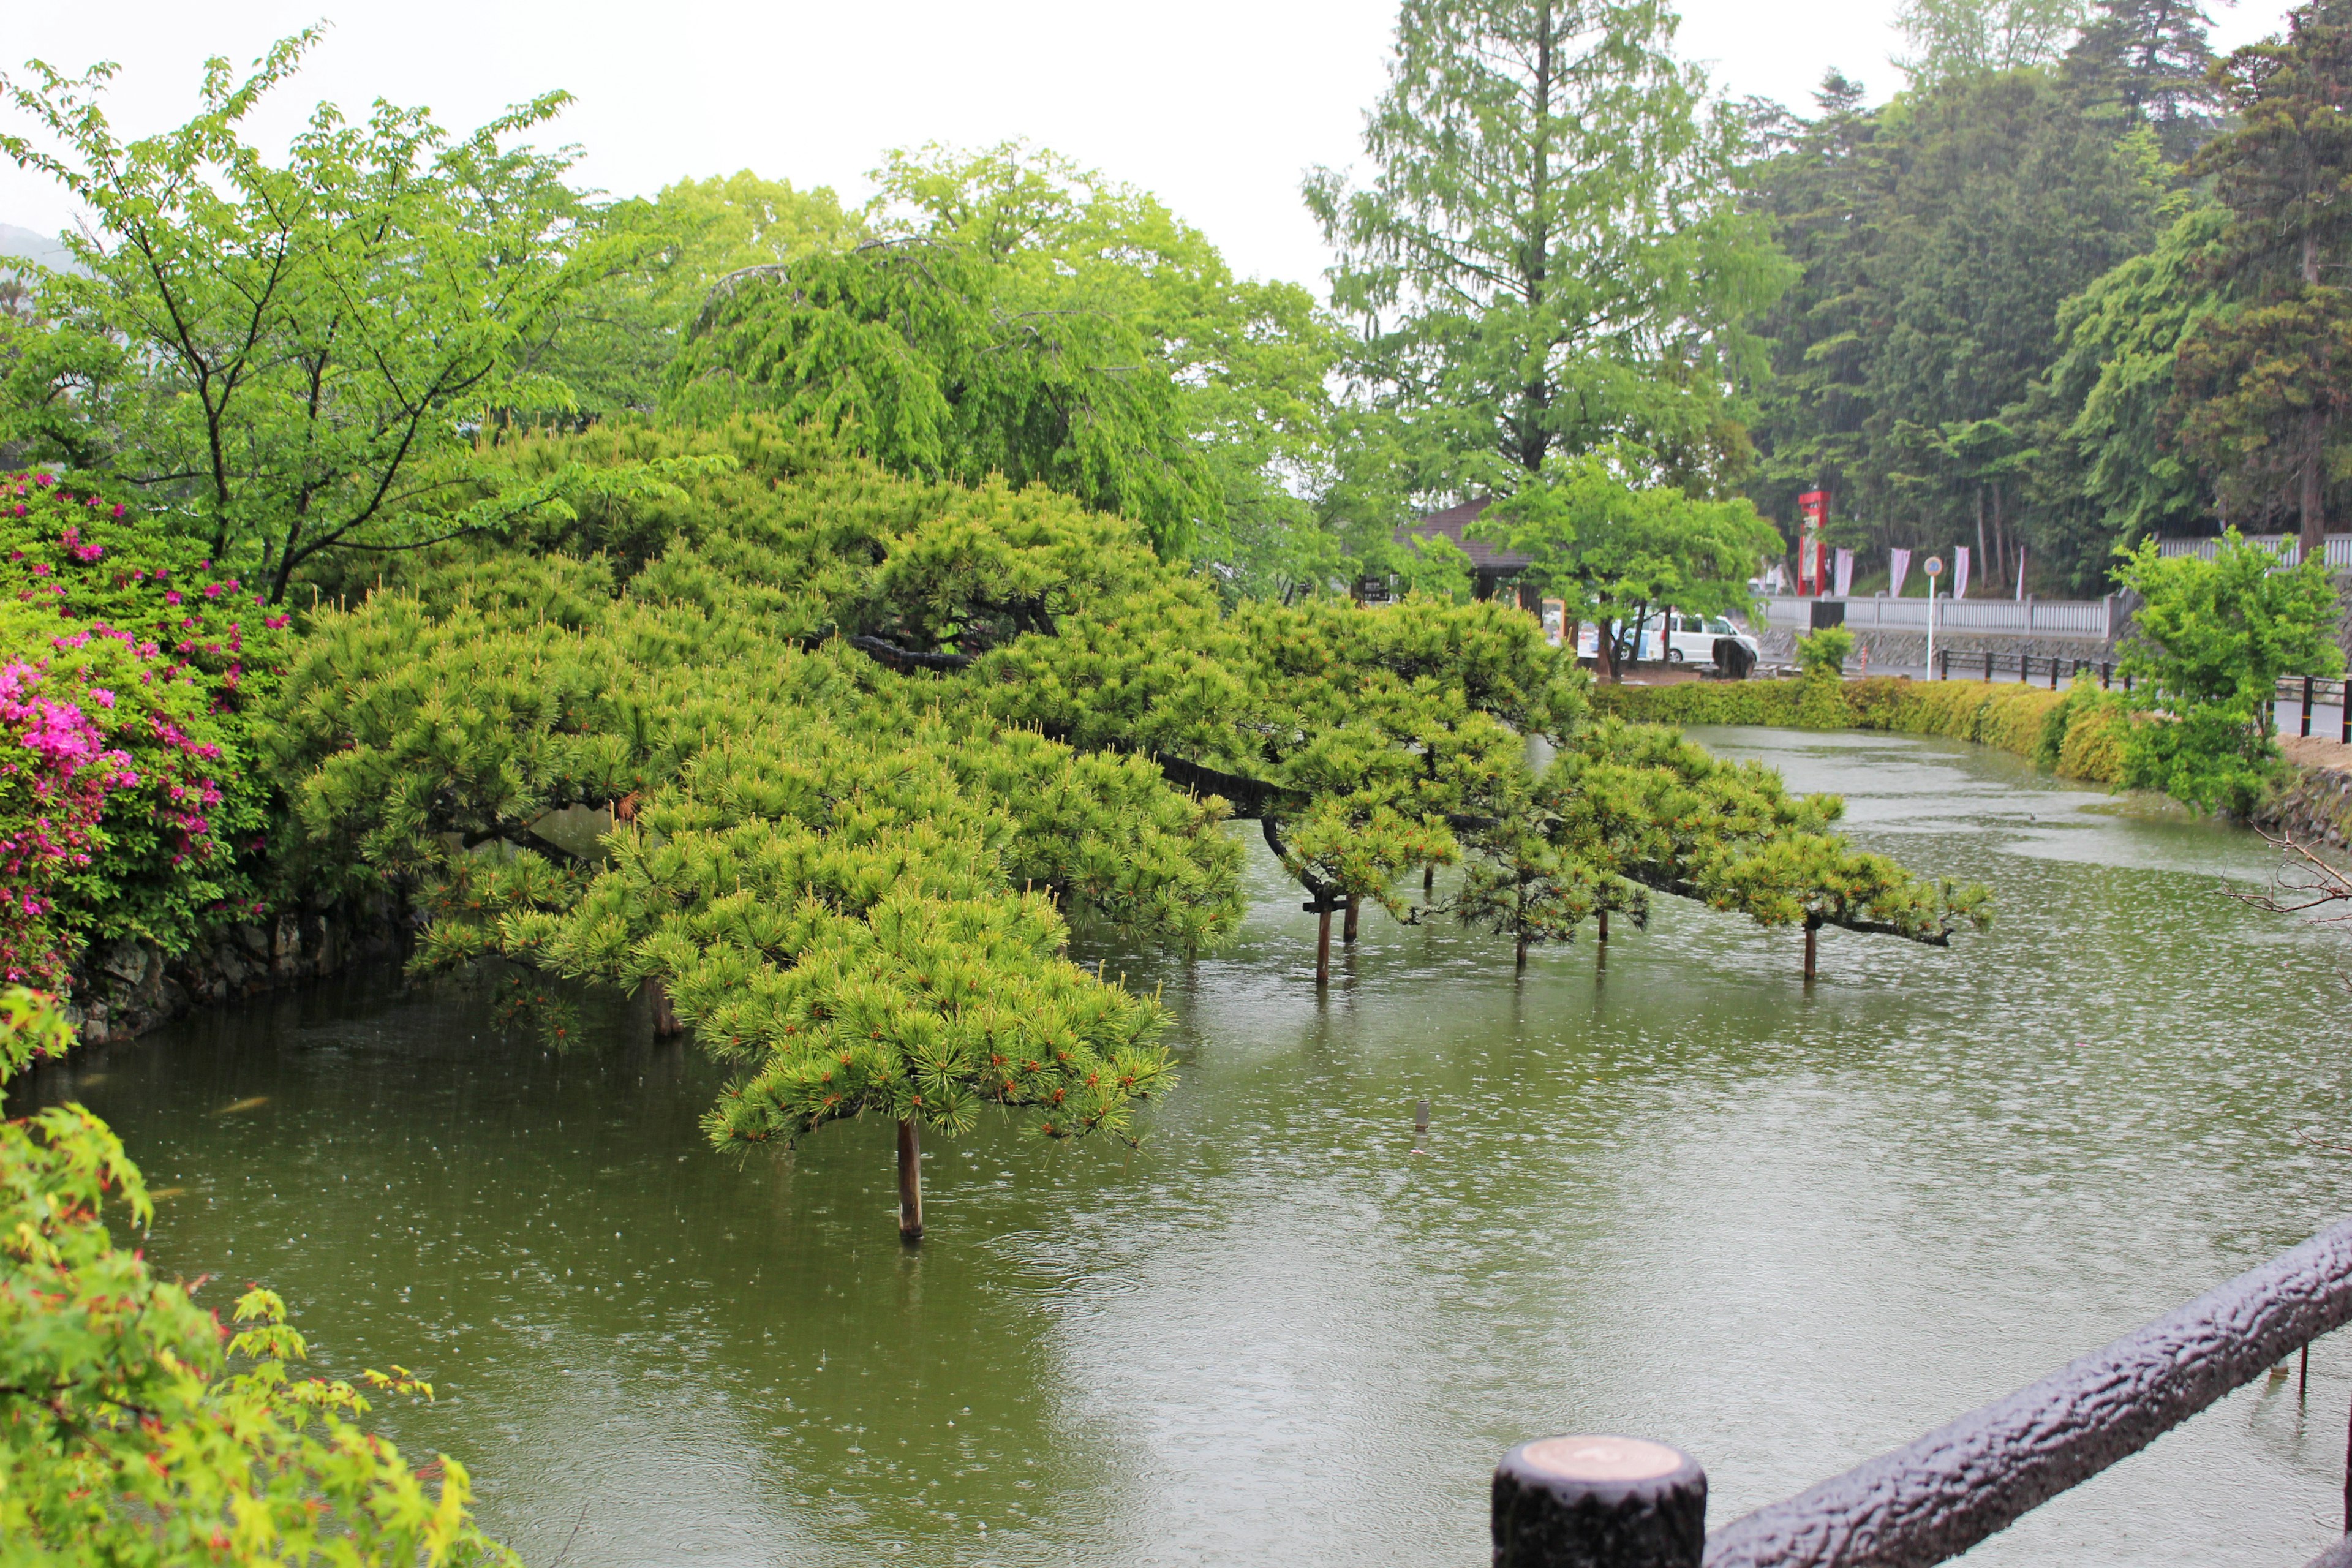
(1813, 507)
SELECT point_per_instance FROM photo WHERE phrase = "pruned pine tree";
(867, 741)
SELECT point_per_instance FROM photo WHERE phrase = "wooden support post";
(1347, 927)
(1810, 926)
(1598, 1503)
(1522, 961)
(1944, 664)
(2106, 675)
(1428, 882)
(1323, 946)
(2344, 713)
(2054, 672)
(2306, 730)
(1988, 667)
(1604, 925)
(910, 1182)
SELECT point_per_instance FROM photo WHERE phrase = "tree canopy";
(1548, 254)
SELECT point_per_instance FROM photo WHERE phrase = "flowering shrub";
(127, 804)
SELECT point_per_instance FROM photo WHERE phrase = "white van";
(1692, 642)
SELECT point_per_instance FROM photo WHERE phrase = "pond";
(1674, 1193)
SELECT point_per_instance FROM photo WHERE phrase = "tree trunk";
(1323, 947)
(2000, 542)
(2315, 503)
(1523, 949)
(1983, 557)
(1347, 928)
(665, 1024)
(910, 1182)
(1811, 925)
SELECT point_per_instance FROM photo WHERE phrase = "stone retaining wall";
(2315, 809)
(125, 988)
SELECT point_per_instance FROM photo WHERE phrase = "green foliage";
(135, 1428)
(2207, 645)
(898, 349)
(2151, 60)
(2260, 394)
(2105, 474)
(1823, 653)
(648, 265)
(1248, 358)
(1550, 255)
(1433, 564)
(1619, 554)
(2089, 725)
(1939, 237)
(815, 857)
(288, 354)
(1643, 806)
(1963, 38)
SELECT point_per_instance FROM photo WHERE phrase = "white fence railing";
(2091, 618)
(2285, 546)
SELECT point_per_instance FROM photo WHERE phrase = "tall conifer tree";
(1547, 255)
(2260, 392)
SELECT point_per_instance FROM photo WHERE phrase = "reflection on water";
(1676, 1195)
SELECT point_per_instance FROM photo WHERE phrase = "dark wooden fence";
(1612, 1502)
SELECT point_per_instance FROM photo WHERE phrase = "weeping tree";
(905, 349)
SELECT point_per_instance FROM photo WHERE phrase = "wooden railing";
(1623, 1502)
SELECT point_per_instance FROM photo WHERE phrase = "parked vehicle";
(1692, 640)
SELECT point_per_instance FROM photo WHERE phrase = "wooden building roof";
(1486, 558)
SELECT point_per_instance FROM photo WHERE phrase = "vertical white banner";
(2020, 574)
(1898, 566)
(1960, 571)
(1844, 573)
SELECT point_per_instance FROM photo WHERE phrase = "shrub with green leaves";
(2207, 645)
(135, 1428)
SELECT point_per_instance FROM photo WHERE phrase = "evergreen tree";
(1548, 254)
(2261, 389)
(1940, 238)
(2151, 60)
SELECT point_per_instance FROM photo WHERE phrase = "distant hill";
(40, 247)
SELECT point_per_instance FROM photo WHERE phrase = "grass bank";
(2076, 733)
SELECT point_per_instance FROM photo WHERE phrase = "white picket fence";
(2088, 618)
(2285, 546)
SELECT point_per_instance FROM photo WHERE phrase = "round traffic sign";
(1935, 566)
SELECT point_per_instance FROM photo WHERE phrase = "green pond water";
(1675, 1195)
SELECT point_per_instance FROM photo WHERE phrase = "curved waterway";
(1674, 1194)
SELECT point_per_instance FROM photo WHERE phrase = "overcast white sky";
(1217, 105)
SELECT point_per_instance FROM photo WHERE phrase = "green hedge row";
(2077, 732)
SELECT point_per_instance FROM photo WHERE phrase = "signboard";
(1934, 567)
(1812, 512)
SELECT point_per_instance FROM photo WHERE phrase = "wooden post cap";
(1599, 1501)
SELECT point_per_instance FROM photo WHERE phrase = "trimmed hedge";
(2077, 732)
